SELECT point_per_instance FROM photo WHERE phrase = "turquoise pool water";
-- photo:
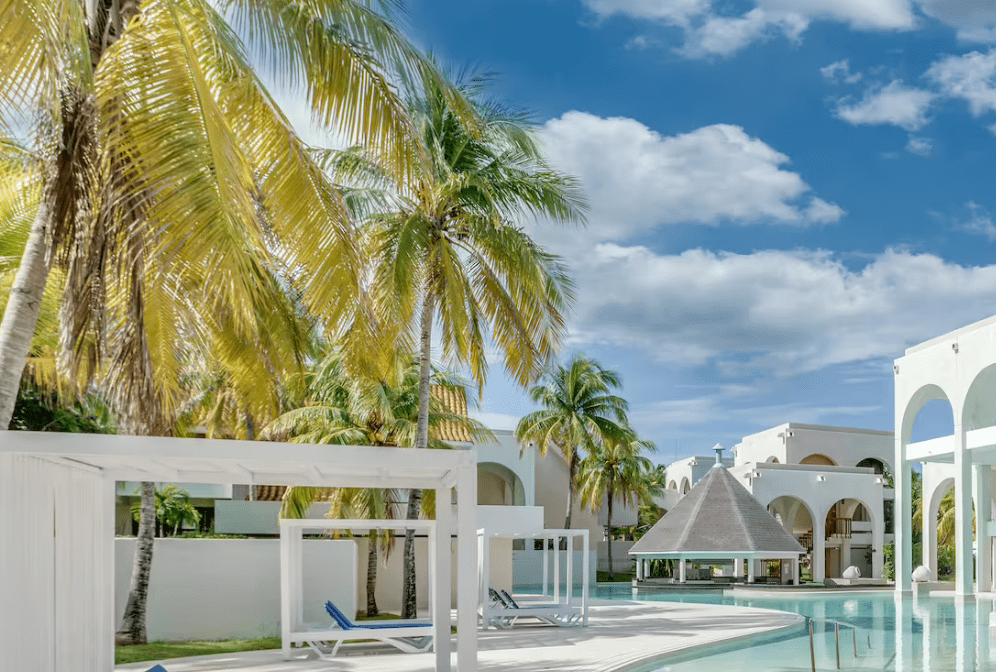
(906, 635)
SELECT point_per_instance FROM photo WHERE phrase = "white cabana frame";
(490, 613)
(57, 528)
(294, 629)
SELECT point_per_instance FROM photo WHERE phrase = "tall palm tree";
(167, 171)
(352, 410)
(579, 411)
(453, 251)
(616, 470)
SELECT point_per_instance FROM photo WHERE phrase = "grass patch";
(140, 653)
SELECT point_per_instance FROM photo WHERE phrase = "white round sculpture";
(921, 574)
(852, 573)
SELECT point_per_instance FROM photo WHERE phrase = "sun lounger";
(504, 612)
(408, 636)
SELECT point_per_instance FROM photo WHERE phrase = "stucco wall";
(225, 588)
(791, 443)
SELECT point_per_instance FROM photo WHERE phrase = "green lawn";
(620, 577)
(164, 650)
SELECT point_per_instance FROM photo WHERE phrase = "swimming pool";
(906, 635)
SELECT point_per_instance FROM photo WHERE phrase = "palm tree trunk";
(608, 531)
(250, 436)
(21, 314)
(132, 628)
(408, 594)
(372, 575)
(572, 475)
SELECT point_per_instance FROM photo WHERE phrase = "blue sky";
(785, 194)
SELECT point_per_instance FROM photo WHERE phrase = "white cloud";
(894, 103)
(980, 221)
(725, 35)
(970, 77)
(974, 21)
(776, 311)
(709, 31)
(637, 179)
(840, 72)
(920, 146)
(676, 12)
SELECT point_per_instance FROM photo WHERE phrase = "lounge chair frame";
(407, 636)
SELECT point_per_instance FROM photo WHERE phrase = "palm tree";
(616, 470)
(173, 509)
(578, 412)
(352, 410)
(453, 249)
(166, 171)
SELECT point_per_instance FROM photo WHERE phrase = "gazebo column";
(751, 563)
(797, 561)
(738, 568)
(639, 569)
(681, 569)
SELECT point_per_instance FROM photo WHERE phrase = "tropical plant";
(616, 470)
(173, 510)
(353, 410)
(166, 175)
(578, 413)
(453, 250)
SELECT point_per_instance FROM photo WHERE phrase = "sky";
(784, 195)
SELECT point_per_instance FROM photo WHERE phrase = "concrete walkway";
(619, 635)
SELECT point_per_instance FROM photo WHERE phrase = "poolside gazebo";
(57, 529)
(717, 522)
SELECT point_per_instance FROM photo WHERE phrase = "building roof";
(455, 401)
(717, 515)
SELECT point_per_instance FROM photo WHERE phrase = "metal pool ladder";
(836, 634)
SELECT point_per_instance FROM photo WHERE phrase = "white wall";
(225, 588)
(791, 443)
(621, 560)
(527, 567)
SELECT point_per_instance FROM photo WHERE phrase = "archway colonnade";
(960, 368)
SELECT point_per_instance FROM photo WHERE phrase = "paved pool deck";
(620, 634)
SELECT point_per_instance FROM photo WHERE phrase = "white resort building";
(828, 486)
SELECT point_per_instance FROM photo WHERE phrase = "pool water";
(905, 634)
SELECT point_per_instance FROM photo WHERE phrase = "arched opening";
(872, 463)
(848, 537)
(497, 485)
(980, 401)
(672, 486)
(772, 460)
(938, 536)
(796, 517)
(685, 486)
(818, 459)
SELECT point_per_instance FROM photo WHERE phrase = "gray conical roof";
(718, 514)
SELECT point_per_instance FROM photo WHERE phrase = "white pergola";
(485, 537)
(57, 494)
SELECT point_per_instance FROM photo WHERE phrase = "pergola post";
(466, 568)
(681, 569)
(442, 536)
